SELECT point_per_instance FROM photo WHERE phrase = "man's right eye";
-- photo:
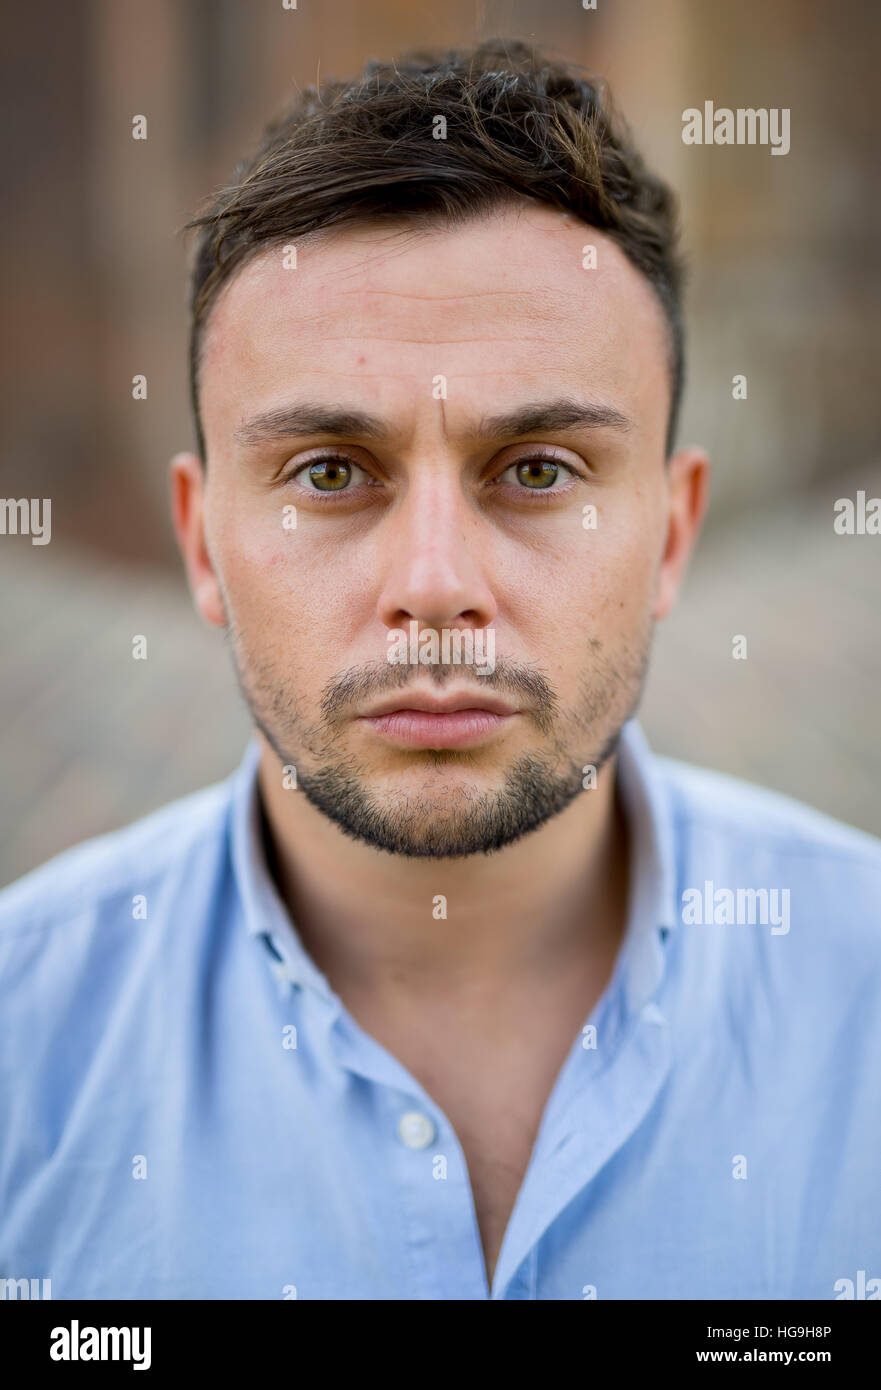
(331, 474)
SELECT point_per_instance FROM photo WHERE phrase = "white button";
(284, 976)
(416, 1130)
(652, 1014)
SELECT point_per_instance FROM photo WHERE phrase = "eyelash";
(538, 496)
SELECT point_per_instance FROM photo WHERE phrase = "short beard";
(424, 827)
(532, 794)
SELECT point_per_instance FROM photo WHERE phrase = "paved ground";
(91, 739)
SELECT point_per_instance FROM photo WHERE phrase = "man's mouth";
(425, 721)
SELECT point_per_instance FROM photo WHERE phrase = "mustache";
(372, 678)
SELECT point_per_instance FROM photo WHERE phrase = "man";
(453, 990)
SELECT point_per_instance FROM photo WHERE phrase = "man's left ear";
(688, 490)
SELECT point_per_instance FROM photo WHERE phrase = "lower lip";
(420, 729)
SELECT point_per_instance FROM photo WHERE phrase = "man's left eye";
(536, 475)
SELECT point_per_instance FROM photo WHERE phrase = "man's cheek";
(631, 564)
(261, 562)
(613, 581)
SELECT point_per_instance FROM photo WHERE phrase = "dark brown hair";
(517, 125)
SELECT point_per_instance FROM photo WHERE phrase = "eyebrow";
(552, 416)
(287, 422)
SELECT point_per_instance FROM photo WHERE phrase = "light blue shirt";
(187, 1110)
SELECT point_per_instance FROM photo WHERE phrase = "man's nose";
(437, 561)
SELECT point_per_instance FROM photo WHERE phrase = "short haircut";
(517, 125)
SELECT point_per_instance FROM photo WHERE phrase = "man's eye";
(328, 475)
(536, 475)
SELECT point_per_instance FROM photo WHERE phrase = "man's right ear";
(187, 477)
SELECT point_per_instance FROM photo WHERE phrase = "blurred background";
(785, 289)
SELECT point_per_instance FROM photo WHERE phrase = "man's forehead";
(511, 267)
(501, 295)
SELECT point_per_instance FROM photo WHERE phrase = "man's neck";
(484, 927)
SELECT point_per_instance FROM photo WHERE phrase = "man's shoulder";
(108, 869)
(741, 836)
(710, 804)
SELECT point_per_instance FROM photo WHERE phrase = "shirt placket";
(427, 1171)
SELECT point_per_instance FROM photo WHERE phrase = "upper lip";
(434, 704)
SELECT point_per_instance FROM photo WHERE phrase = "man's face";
(564, 537)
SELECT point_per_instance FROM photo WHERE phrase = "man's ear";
(688, 490)
(187, 478)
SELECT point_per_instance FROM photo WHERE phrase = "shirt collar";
(265, 914)
(651, 901)
(646, 805)
(652, 911)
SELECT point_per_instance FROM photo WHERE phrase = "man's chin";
(445, 812)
